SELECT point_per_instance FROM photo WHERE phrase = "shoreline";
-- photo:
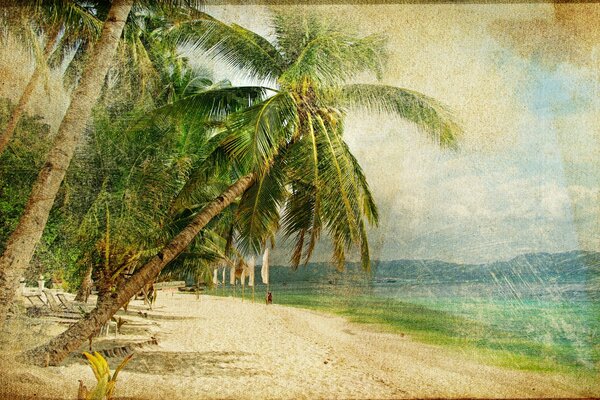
(221, 347)
(448, 328)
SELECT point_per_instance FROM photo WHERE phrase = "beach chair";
(36, 300)
(51, 301)
(74, 306)
(57, 307)
(171, 286)
(64, 302)
(40, 308)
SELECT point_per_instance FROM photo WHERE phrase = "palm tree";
(61, 21)
(285, 150)
(293, 140)
(21, 244)
(140, 189)
(137, 172)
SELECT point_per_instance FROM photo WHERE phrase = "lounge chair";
(39, 308)
(64, 302)
(74, 306)
(57, 307)
(36, 300)
(77, 309)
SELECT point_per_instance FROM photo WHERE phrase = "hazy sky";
(523, 80)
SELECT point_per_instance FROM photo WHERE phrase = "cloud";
(522, 80)
(565, 36)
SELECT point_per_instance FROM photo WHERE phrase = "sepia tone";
(476, 126)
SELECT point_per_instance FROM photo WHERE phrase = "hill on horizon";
(573, 267)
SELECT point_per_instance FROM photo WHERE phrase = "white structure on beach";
(264, 271)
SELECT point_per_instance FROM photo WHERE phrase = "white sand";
(223, 348)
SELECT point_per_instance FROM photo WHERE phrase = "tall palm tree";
(293, 140)
(60, 21)
(141, 169)
(21, 244)
(285, 150)
(141, 195)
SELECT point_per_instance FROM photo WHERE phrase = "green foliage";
(307, 179)
(241, 48)
(427, 113)
(166, 140)
(19, 166)
(125, 191)
(68, 26)
(55, 255)
(135, 172)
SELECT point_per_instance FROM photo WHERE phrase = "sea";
(541, 307)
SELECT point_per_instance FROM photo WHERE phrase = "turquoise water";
(549, 325)
(563, 317)
(536, 311)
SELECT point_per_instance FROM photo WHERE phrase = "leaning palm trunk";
(84, 291)
(58, 348)
(18, 111)
(22, 242)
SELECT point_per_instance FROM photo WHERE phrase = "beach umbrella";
(251, 265)
(232, 275)
(223, 280)
(232, 278)
(215, 276)
(264, 271)
(243, 278)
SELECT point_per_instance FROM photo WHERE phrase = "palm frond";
(257, 216)
(301, 219)
(360, 184)
(302, 213)
(257, 133)
(326, 55)
(38, 52)
(212, 103)
(73, 70)
(361, 196)
(232, 44)
(365, 257)
(334, 60)
(344, 198)
(426, 112)
(335, 171)
(76, 19)
(196, 262)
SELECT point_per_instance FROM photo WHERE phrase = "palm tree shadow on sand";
(187, 364)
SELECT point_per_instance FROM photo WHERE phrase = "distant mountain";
(570, 267)
(562, 268)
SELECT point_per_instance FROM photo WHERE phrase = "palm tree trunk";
(58, 348)
(26, 95)
(83, 293)
(22, 242)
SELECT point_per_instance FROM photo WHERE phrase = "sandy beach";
(215, 347)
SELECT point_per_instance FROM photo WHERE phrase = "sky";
(523, 82)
